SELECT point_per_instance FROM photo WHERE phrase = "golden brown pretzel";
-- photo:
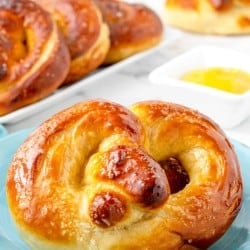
(85, 33)
(99, 176)
(226, 17)
(133, 28)
(34, 59)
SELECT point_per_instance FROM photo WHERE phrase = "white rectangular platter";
(67, 91)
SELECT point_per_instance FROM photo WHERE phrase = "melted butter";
(227, 79)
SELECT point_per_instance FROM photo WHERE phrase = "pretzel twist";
(222, 17)
(34, 59)
(85, 33)
(133, 28)
(99, 176)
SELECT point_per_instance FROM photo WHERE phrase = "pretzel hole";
(29, 40)
(176, 174)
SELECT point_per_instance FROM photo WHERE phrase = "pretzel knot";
(84, 31)
(34, 59)
(133, 28)
(101, 176)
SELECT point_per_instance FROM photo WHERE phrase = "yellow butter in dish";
(231, 80)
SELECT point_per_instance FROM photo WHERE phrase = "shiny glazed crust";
(91, 177)
(85, 33)
(34, 59)
(223, 17)
(133, 28)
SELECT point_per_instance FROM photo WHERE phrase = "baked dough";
(101, 176)
(133, 28)
(222, 17)
(85, 33)
(34, 59)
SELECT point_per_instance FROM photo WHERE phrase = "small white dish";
(227, 109)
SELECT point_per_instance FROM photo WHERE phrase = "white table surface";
(130, 84)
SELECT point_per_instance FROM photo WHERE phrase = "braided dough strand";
(34, 57)
(98, 174)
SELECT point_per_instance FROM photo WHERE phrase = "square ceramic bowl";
(227, 109)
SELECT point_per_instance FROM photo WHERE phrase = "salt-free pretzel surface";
(34, 59)
(133, 28)
(222, 17)
(102, 176)
(85, 33)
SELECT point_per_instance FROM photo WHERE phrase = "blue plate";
(237, 237)
(3, 131)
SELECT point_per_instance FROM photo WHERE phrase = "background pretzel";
(99, 176)
(223, 17)
(34, 59)
(133, 28)
(85, 33)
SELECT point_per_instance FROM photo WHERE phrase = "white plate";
(67, 91)
(227, 109)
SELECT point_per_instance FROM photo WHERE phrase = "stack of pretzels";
(47, 43)
(100, 176)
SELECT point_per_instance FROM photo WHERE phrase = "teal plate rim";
(3, 131)
(236, 237)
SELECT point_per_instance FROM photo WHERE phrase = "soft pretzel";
(34, 59)
(86, 35)
(101, 176)
(133, 28)
(223, 17)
